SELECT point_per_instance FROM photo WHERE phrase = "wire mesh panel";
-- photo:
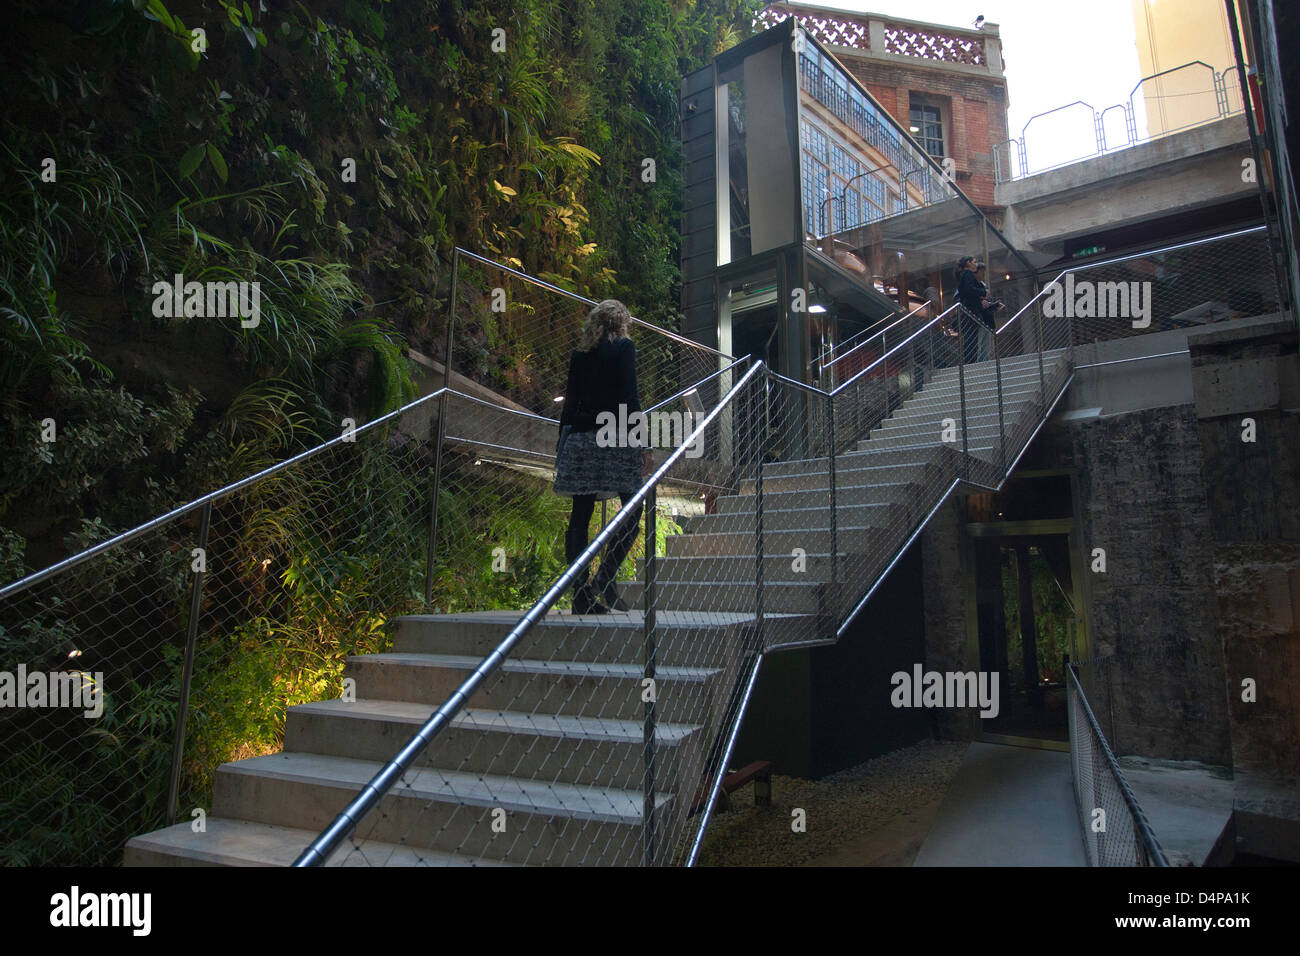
(526, 733)
(1115, 830)
(513, 334)
(594, 738)
(1185, 287)
(89, 673)
(263, 587)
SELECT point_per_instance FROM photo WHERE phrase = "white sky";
(1055, 52)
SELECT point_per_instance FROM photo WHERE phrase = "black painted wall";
(818, 711)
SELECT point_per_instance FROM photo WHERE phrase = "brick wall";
(977, 108)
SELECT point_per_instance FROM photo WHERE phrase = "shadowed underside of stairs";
(565, 710)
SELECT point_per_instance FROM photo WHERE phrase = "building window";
(927, 126)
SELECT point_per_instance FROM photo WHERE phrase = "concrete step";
(586, 688)
(933, 415)
(557, 824)
(226, 842)
(976, 393)
(813, 567)
(789, 519)
(924, 435)
(782, 596)
(1013, 364)
(848, 538)
(851, 468)
(557, 636)
(570, 749)
(844, 494)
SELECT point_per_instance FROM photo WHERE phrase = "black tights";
(616, 549)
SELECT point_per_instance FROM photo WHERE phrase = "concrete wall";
(1142, 498)
(1183, 171)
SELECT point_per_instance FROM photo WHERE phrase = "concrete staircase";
(555, 737)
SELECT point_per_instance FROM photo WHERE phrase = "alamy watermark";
(1085, 299)
(655, 429)
(75, 689)
(946, 689)
(211, 300)
(88, 909)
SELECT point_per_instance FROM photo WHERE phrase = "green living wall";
(333, 153)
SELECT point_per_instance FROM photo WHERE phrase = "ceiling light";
(816, 308)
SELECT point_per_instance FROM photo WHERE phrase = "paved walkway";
(1007, 806)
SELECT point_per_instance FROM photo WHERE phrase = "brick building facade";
(920, 73)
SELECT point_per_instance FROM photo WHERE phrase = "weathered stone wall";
(1141, 496)
(1247, 386)
(944, 574)
(1142, 499)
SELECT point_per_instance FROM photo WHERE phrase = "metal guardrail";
(759, 420)
(1011, 159)
(331, 542)
(1115, 830)
(786, 421)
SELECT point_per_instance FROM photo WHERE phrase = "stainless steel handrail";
(1251, 230)
(36, 577)
(22, 584)
(862, 372)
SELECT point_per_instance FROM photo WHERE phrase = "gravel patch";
(845, 807)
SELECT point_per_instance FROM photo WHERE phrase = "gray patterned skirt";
(584, 468)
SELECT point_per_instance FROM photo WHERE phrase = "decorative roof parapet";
(876, 35)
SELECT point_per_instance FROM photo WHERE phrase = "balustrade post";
(187, 669)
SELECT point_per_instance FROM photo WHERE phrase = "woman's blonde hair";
(608, 319)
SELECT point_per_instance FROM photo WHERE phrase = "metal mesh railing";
(579, 739)
(1114, 828)
(1170, 101)
(770, 523)
(546, 748)
(513, 333)
(158, 654)
(234, 607)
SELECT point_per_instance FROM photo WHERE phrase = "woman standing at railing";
(973, 294)
(602, 376)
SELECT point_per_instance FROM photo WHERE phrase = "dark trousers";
(616, 549)
(976, 338)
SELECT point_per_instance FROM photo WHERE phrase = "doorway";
(1027, 605)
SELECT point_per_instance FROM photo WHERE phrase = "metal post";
(930, 338)
(1069, 334)
(1002, 428)
(758, 520)
(1042, 345)
(431, 549)
(187, 670)
(961, 387)
(648, 731)
(830, 454)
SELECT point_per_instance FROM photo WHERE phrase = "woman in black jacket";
(973, 294)
(602, 377)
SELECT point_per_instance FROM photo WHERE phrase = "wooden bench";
(760, 771)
